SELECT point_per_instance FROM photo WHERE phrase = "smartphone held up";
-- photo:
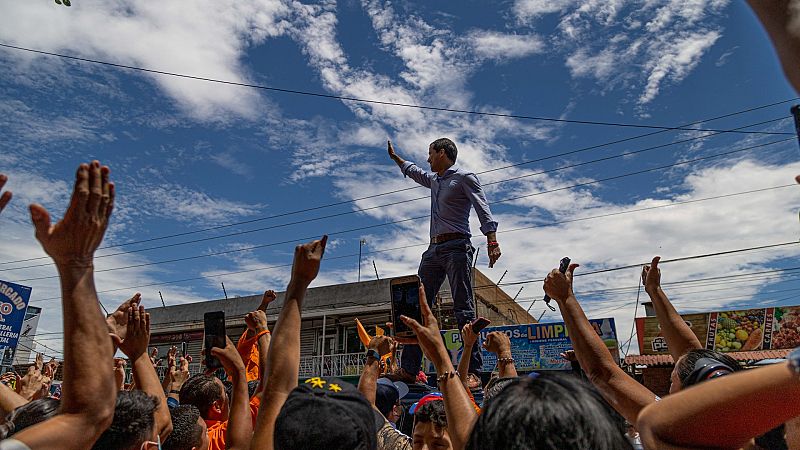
(404, 293)
(214, 336)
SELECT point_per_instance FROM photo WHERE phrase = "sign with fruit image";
(738, 331)
(730, 331)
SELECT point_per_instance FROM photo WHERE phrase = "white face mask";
(146, 444)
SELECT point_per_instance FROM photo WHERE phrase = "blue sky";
(189, 155)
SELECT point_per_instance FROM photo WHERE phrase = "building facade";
(329, 341)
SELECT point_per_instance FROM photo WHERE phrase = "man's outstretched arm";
(283, 361)
(410, 169)
(680, 338)
(88, 391)
(777, 18)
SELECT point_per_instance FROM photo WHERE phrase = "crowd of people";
(261, 403)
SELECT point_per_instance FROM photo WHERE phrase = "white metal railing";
(336, 365)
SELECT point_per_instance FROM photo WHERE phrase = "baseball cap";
(327, 413)
(388, 393)
(433, 396)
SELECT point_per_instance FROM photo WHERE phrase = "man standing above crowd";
(453, 192)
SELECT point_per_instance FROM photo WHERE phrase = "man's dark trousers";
(454, 260)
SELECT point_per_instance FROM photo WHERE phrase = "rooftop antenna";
(541, 315)
(501, 277)
(223, 290)
(162, 299)
(104, 308)
(376, 270)
(360, 244)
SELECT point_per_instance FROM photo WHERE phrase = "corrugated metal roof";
(666, 360)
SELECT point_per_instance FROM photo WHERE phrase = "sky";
(242, 174)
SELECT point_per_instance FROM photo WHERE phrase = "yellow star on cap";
(334, 387)
(316, 382)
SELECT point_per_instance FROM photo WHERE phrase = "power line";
(561, 222)
(510, 283)
(376, 102)
(288, 213)
(248, 248)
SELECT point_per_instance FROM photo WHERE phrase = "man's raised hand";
(651, 276)
(229, 357)
(307, 258)
(498, 343)
(392, 154)
(268, 297)
(256, 321)
(381, 344)
(5, 197)
(559, 285)
(72, 241)
(118, 320)
(137, 338)
(468, 337)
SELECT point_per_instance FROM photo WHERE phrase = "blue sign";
(13, 303)
(536, 346)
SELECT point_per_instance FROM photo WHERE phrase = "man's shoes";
(474, 382)
(401, 375)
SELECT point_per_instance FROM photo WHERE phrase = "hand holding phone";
(214, 328)
(404, 293)
(562, 267)
(479, 324)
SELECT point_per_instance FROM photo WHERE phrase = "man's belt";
(444, 237)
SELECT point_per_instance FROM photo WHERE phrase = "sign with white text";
(13, 303)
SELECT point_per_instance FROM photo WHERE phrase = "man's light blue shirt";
(452, 194)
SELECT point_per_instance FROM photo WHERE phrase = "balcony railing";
(336, 365)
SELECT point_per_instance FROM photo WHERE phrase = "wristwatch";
(372, 353)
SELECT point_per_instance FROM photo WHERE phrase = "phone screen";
(214, 327)
(405, 302)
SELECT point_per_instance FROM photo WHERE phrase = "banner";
(533, 346)
(13, 302)
(730, 331)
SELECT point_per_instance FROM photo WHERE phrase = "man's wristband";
(372, 353)
(174, 391)
(492, 244)
(261, 333)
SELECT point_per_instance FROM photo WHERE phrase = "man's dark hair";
(252, 385)
(385, 398)
(133, 422)
(552, 411)
(494, 387)
(186, 433)
(200, 391)
(432, 412)
(448, 146)
(28, 414)
(687, 362)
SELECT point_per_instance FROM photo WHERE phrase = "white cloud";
(532, 9)
(502, 46)
(187, 205)
(206, 38)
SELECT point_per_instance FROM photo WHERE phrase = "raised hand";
(72, 241)
(256, 321)
(178, 375)
(229, 357)
(498, 343)
(138, 335)
(390, 149)
(569, 355)
(381, 344)
(31, 385)
(268, 297)
(307, 258)
(5, 197)
(559, 285)
(468, 337)
(118, 320)
(119, 372)
(429, 338)
(50, 368)
(171, 355)
(651, 276)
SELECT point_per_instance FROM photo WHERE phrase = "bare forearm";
(240, 425)
(398, 160)
(463, 363)
(146, 379)
(681, 419)
(679, 336)
(264, 342)
(624, 393)
(10, 400)
(368, 382)
(506, 369)
(284, 362)
(87, 388)
(460, 414)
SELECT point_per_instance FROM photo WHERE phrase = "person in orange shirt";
(247, 347)
(230, 420)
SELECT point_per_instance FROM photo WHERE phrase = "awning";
(666, 360)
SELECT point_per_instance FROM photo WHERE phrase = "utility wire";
(376, 102)
(248, 248)
(510, 283)
(417, 187)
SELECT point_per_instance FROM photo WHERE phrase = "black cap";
(327, 413)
